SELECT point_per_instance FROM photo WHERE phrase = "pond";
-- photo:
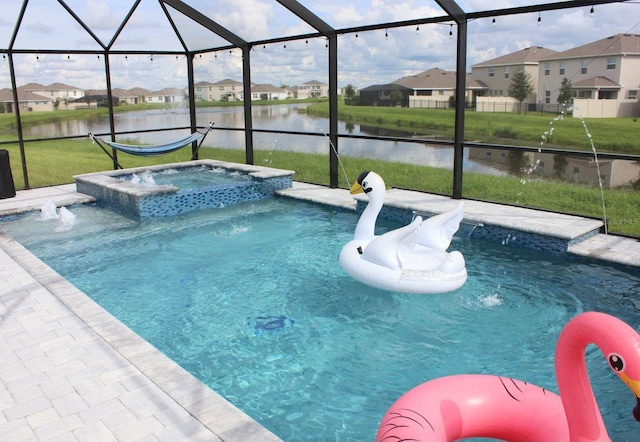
(285, 117)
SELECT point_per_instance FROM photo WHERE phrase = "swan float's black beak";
(636, 410)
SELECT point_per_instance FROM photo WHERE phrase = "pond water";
(286, 117)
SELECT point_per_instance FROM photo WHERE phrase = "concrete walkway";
(69, 371)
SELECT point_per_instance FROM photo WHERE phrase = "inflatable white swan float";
(411, 259)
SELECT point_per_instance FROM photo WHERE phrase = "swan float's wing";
(437, 231)
(383, 250)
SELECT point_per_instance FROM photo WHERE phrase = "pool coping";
(109, 180)
(115, 190)
(578, 235)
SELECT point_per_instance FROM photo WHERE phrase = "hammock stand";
(153, 150)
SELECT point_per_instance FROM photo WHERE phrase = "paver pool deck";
(71, 371)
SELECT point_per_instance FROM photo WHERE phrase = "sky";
(364, 59)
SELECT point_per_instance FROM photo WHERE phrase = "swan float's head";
(370, 183)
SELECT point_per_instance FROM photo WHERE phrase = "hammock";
(153, 150)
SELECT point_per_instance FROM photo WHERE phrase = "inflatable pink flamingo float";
(463, 406)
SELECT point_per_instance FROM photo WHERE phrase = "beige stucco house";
(268, 92)
(166, 95)
(497, 75)
(56, 91)
(434, 87)
(28, 101)
(605, 76)
(310, 89)
(224, 90)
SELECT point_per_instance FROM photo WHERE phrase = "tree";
(566, 92)
(349, 91)
(516, 162)
(521, 86)
(560, 164)
(395, 95)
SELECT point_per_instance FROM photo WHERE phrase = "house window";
(611, 63)
(633, 95)
(607, 95)
(562, 67)
(506, 72)
(221, 88)
(583, 70)
(547, 69)
(492, 72)
(440, 92)
(547, 97)
(487, 156)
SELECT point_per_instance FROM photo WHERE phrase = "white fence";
(590, 108)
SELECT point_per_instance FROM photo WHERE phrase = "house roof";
(134, 92)
(267, 88)
(596, 83)
(166, 91)
(615, 45)
(121, 93)
(6, 94)
(530, 55)
(51, 87)
(384, 87)
(226, 81)
(203, 83)
(61, 86)
(314, 83)
(435, 79)
(31, 87)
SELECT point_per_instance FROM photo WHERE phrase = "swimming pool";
(253, 301)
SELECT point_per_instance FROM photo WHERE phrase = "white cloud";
(369, 60)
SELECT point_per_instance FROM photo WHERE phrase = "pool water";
(188, 178)
(252, 300)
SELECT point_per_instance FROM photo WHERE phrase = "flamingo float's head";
(623, 356)
(630, 375)
(368, 182)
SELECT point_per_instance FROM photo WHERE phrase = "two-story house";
(310, 89)
(28, 101)
(497, 75)
(607, 69)
(224, 90)
(57, 92)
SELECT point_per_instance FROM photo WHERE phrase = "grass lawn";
(55, 162)
(614, 135)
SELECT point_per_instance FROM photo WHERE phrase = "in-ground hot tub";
(199, 184)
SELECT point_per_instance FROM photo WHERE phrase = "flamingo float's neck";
(583, 415)
(365, 229)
